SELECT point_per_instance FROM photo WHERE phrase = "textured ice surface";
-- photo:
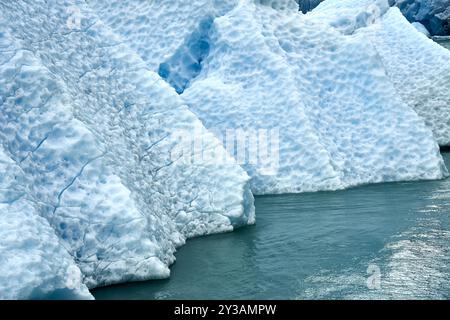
(93, 184)
(421, 28)
(418, 67)
(166, 25)
(340, 119)
(433, 14)
(94, 131)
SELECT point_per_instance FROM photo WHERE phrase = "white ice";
(434, 14)
(418, 67)
(93, 187)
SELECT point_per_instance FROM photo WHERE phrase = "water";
(325, 245)
(443, 41)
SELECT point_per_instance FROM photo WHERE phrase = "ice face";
(94, 185)
(324, 89)
(418, 67)
(421, 76)
(433, 14)
(94, 132)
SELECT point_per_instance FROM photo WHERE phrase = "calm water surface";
(396, 237)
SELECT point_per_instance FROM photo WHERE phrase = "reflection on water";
(380, 241)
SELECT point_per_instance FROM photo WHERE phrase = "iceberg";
(262, 65)
(95, 133)
(418, 67)
(128, 127)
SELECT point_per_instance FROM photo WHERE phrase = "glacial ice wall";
(94, 133)
(262, 65)
(433, 14)
(418, 67)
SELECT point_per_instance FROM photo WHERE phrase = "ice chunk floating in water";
(93, 131)
(340, 118)
(91, 125)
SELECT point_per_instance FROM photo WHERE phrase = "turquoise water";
(325, 245)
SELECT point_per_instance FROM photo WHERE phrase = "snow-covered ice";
(421, 28)
(97, 96)
(308, 5)
(93, 131)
